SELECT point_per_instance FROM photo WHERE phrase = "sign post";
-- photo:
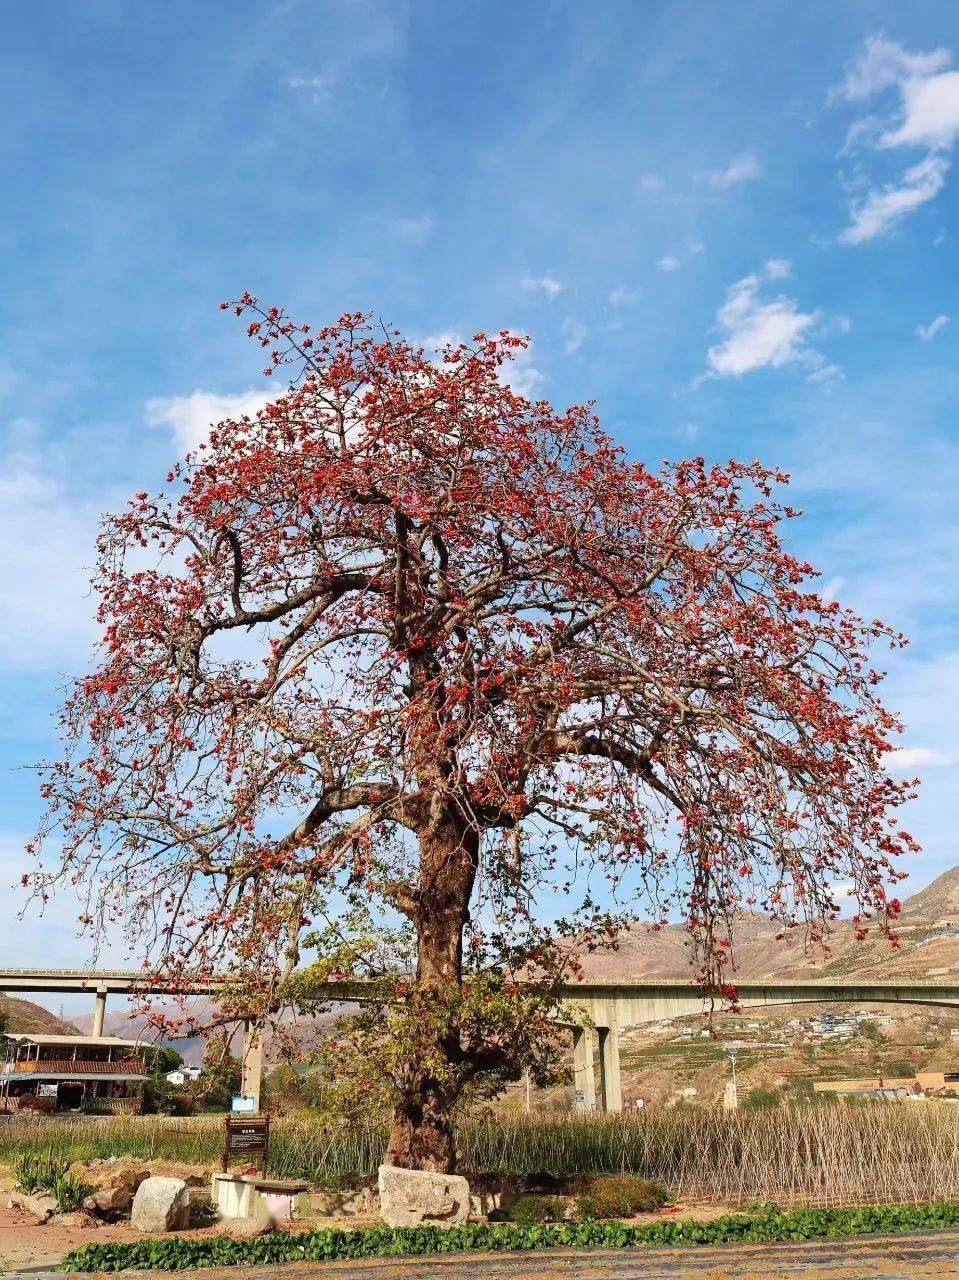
(247, 1136)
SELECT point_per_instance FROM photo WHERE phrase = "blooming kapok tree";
(408, 639)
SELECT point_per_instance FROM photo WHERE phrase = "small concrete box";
(256, 1198)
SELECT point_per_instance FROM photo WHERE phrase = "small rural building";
(184, 1075)
(101, 1075)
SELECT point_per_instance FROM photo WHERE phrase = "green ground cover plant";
(178, 1254)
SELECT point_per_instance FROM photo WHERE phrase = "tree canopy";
(409, 644)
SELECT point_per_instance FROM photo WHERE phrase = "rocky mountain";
(929, 947)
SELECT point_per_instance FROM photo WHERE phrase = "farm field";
(836, 1155)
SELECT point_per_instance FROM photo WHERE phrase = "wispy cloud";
(412, 230)
(926, 114)
(522, 374)
(547, 285)
(884, 206)
(907, 760)
(765, 333)
(670, 262)
(48, 539)
(744, 168)
(574, 335)
(622, 296)
(519, 372)
(316, 88)
(777, 269)
(928, 331)
(190, 417)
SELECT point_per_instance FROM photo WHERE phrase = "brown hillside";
(929, 947)
(24, 1015)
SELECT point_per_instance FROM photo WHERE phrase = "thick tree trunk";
(422, 1135)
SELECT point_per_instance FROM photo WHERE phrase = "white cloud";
(48, 539)
(837, 324)
(907, 760)
(744, 168)
(190, 417)
(621, 296)
(777, 269)
(412, 230)
(931, 112)
(518, 372)
(842, 889)
(884, 63)
(542, 284)
(928, 331)
(316, 88)
(575, 335)
(883, 207)
(670, 262)
(830, 590)
(926, 115)
(522, 375)
(765, 334)
(652, 182)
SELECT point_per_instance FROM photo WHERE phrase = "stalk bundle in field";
(835, 1155)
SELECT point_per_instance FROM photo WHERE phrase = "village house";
(183, 1075)
(95, 1074)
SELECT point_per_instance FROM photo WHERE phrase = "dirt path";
(934, 1256)
(929, 1257)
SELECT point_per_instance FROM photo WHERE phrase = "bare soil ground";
(927, 1257)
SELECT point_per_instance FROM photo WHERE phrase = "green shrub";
(758, 1099)
(619, 1198)
(179, 1253)
(38, 1170)
(531, 1209)
(69, 1191)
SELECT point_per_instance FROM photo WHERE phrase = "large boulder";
(411, 1198)
(161, 1204)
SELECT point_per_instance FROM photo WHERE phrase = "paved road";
(932, 1256)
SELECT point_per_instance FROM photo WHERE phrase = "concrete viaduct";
(595, 1012)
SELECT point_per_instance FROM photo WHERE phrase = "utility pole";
(528, 1106)
(735, 1091)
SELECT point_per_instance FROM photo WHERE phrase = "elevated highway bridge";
(595, 1012)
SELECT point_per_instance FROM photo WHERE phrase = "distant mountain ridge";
(929, 947)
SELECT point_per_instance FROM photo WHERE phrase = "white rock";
(411, 1198)
(161, 1204)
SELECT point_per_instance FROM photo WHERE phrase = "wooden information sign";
(247, 1136)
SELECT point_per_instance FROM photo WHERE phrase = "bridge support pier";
(99, 1010)
(584, 1079)
(610, 1084)
(252, 1063)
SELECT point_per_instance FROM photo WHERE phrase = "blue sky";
(732, 224)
